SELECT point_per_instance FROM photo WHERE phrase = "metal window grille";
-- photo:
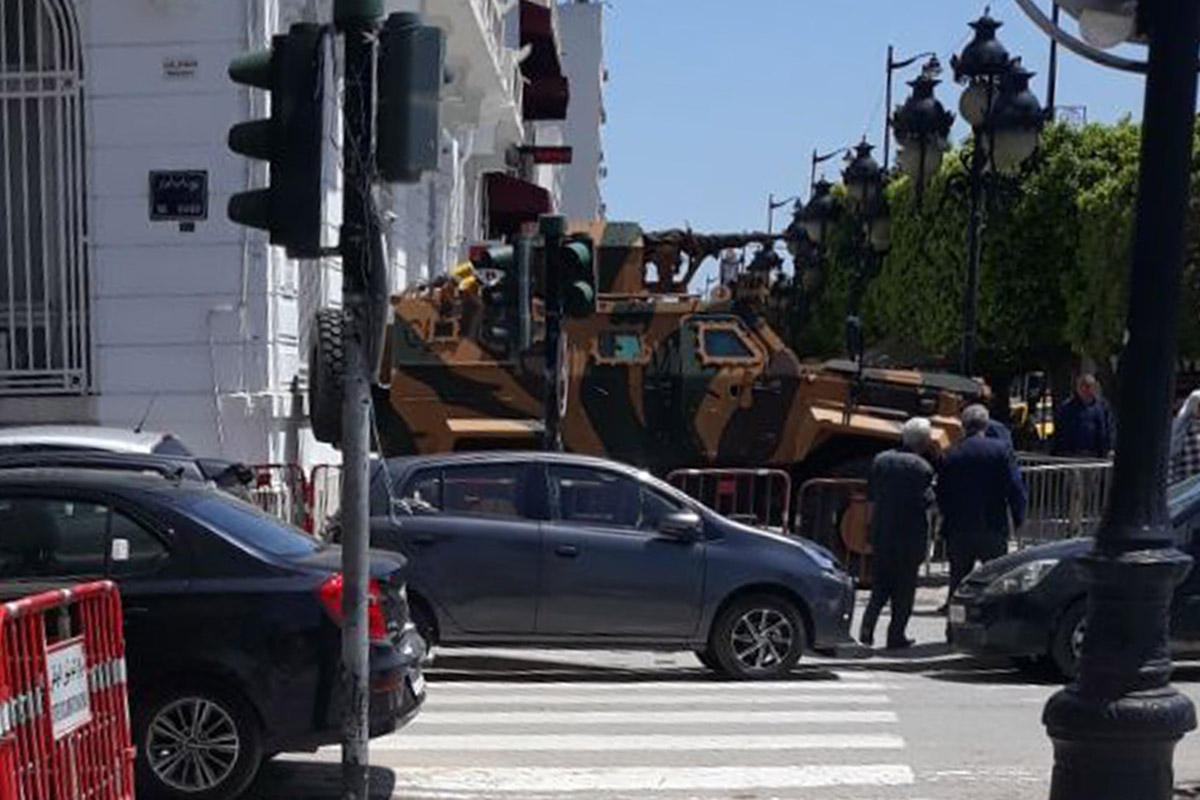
(44, 331)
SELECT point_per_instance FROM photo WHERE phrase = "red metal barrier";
(283, 490)
(759, 497)
(324, 500)
(64, 710)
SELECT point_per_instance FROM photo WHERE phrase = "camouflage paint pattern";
(656, 377)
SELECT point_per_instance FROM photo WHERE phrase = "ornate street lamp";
(1115, 729)
(922, 127)
(1005, 119)
(815, 216)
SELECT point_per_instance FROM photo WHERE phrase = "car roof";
(95, 479)
(410, 463)
(115, 439)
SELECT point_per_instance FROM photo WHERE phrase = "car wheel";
(1067, 647)
(327, 364)
(197, 744)
(706, 658)
(758, 638)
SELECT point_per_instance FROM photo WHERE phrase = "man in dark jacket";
(900, 491)
(979, 486)
(1083, 426)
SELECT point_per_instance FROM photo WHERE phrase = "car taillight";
(331, 597)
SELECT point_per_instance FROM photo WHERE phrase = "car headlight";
(1021, 579)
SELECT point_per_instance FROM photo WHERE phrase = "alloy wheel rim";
(193, 745)
(761, 639)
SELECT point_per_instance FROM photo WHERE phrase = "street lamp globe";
(815, 217)
(1017, 120)
(863, 176)
(879, 231)
(922, 126)
(1104, 23)
(981, 62)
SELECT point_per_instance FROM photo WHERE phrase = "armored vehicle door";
(719, 364)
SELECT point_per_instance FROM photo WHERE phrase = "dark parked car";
(1030, 605)
(561, 550)
(95, 442)
(231, 619)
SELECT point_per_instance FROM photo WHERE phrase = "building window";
(44, 344)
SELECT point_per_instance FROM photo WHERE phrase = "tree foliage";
(1053, 274)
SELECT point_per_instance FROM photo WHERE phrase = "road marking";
(583, 743)
(621, 699)
(677, 687)
(434, 717)
(526, 780)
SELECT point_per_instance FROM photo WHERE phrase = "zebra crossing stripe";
(635, 702)
(644, 780)
(586, 743)
(776, 688)
(433, 717)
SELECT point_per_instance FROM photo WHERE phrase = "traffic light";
(578, 278)
(290, 208)
(500, 293)
(411, 74)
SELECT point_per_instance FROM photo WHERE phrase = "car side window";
(594, 497)
(491, 490)
(43, 537)
(133, 550)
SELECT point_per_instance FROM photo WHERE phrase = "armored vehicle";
(650, 374)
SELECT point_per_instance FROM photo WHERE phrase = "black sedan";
(1030, 605)
(232, 619)
(546, 549)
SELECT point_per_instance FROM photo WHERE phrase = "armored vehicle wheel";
(326, 365)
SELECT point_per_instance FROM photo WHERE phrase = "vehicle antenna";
(146, 414)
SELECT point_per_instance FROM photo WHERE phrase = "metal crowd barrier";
(1065, 499)
(64, 710)
(325, 488)
(282, 490)
(759, 497)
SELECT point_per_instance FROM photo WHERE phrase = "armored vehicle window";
(725, 343)
(620, 347)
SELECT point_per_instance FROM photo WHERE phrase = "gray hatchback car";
(545, 549)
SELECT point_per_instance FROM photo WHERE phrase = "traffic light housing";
(291, 141)
(578, 278)
(411, 74)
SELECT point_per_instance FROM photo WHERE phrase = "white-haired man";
(900, 491)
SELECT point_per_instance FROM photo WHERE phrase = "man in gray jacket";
(900, 491)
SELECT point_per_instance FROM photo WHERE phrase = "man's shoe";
(902, 644)
(866, 641)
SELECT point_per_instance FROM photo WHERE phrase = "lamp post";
(1115, 729)
(863, 178)
(894, 64)
(922, 126)
(994, 82)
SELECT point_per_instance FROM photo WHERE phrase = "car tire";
(234, 753)
(735, 640)
(706, 658)
(327, 365)
(1068, 638)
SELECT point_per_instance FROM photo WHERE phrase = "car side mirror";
(683, 525)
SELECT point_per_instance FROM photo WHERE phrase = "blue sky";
(714, 105)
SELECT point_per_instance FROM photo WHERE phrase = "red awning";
(512, 201)
(547, 93)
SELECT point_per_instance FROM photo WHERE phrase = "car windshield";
(251, 526)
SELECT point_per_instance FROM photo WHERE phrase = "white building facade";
(109, 315)
(581, 29)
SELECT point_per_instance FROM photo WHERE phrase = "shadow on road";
(303, 780)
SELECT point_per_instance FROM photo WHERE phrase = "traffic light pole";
(552, 229)
(360, 22)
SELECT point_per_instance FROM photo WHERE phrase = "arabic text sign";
(178, 195)
(67, 674)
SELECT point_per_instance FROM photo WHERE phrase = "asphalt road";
(535, 725)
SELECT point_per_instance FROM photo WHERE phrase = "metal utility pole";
(552, 230)
(1115, 729)
(359, 21)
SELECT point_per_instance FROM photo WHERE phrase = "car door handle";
(566, 550)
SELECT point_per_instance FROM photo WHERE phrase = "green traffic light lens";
(579, 300)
